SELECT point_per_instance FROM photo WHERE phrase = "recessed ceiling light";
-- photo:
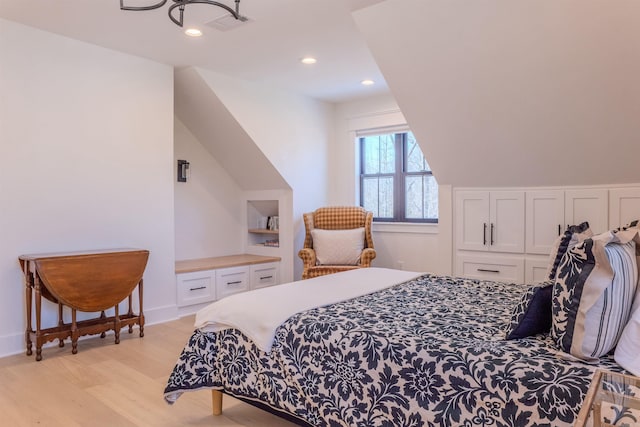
(367, 82)
(308, 60)
(193, 32)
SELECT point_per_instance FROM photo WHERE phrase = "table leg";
(130, 313)
(38, 318)
(117, 324)
(141, 311)
(60, 323)
(28, 281)
(102, 316)
(75, 334)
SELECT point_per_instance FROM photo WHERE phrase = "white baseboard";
(14, 343)
(161, 315)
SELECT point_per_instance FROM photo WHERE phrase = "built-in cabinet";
(205, 280)
(549, 212)
(501, 268)
(195, 287)
(231, 280)
(507, 235)
(624, 206)
(490, 221)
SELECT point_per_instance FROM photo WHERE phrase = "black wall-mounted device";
(183, 169)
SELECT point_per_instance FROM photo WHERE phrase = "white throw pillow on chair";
(338, 247)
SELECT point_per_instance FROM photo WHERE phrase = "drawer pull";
(237, 282)
(484, 270)
(266, 277)
(198, 288)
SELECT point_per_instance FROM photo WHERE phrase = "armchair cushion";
(338, 247)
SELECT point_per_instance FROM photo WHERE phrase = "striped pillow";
(593, 295)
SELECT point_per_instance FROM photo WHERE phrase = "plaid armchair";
(336, 218)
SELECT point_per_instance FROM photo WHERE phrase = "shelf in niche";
(259, 235)
(263, 231)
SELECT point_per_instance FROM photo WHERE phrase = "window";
(396, 182)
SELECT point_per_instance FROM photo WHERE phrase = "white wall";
(294, 133)
(207, 206)
(423, 247)
(515, 93)
(86, 138)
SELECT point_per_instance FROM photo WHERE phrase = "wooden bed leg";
(216, 399)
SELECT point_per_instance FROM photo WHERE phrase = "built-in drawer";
(232, 280)
(263, 275)
(535, 270)
(196, 287)
(499, 269)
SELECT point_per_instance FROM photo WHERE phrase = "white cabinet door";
(472, 220)
(506, 222)
(591, 204)
(624, 206)
(490, 221)
(232, 280)
(195, 287)
(544, 219)
(263, 275)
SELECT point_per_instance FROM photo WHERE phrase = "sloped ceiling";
(511, 93)
(198, 107)
(266, 49)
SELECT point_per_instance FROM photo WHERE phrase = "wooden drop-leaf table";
(90, 281)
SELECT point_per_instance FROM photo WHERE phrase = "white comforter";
(259, 313)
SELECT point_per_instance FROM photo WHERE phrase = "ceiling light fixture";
(181, 4)
(193, 32)
(308, 60)
(367, 82)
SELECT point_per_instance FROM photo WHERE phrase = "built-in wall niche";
(263, 223)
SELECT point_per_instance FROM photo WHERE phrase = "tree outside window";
(396, 182)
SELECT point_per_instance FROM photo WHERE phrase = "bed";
(417, 351)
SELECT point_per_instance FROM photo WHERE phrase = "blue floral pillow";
(532, 315)
(572, 235)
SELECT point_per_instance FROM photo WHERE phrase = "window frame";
(399, 176)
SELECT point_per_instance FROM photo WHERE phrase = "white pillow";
(628, 350)
(338, 247)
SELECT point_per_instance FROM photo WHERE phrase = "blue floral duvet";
(427, 352)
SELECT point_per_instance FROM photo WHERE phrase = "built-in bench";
(208, 279)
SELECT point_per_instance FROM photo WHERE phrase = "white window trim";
(391, 126)
(405, 227)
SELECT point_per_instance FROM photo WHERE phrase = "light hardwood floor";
(113, 386)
